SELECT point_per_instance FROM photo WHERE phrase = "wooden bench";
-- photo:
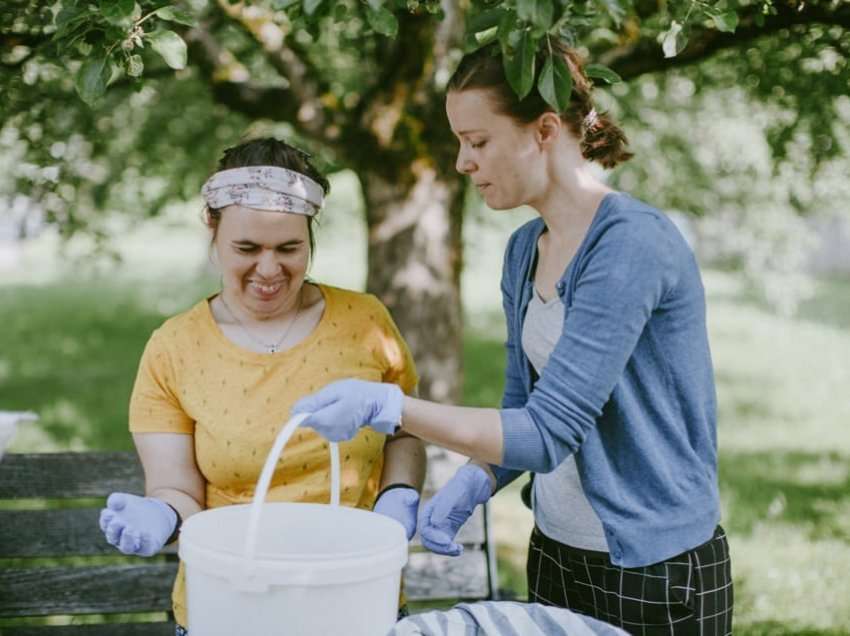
(55, 562)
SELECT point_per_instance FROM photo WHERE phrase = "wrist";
(175, 520)
(479, 481)
(394, 486)
(393, 408)
(494, 483)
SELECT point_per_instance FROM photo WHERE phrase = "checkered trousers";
(689, 594)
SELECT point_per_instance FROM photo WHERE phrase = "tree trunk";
(414, 268)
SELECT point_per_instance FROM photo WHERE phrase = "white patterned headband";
(264, 188)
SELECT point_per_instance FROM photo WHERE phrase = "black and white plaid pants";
(689, 594)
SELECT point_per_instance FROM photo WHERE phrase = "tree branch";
(645, 56)
(302, 77)
(240, 96)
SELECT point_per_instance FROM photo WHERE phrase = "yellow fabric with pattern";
(193, 380)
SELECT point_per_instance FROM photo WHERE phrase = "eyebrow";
(471, 132)
(248, 242)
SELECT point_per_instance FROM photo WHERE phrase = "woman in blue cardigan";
(609, 393)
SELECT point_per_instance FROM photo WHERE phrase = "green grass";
(70, 350)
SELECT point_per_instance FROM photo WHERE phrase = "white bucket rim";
(188, 532)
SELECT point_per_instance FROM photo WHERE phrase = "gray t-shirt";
(561, 509)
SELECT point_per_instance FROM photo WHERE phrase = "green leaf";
(519, 64)
(170, 46)
(673, 41)
(537, 12)
(92, 78)
(484, 20)
(310, 6)
(726, 22)
(118, 12)
(173, 14)
(383, 21)
(555, 83)
(135, 66)
(376, 5)
(598, 71)
(507, 30)
(615, 9)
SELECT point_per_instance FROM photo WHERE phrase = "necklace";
(270, 348)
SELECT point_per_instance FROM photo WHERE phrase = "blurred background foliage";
(738, 114)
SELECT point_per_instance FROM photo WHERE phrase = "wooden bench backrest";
(75, 485)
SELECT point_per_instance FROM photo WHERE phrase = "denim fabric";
(629, 387)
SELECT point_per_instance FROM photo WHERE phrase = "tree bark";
(414, 267)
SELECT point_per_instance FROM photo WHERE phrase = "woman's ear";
(547, 128)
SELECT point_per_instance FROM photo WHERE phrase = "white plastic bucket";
(292, 568)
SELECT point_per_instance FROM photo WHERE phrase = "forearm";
(474, 432)
(404, 462)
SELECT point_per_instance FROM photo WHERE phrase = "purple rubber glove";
(339, 410)
(401, 504)
(449, 509)
(137, 525)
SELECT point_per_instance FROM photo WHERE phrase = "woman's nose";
(464, 164)
(267, 264)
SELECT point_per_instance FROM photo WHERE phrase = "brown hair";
(268, 151)
(600, 138)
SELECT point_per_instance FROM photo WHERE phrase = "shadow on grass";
(809, 489)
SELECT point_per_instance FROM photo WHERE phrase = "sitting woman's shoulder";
(351, 300)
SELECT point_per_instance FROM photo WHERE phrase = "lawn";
(69, 350)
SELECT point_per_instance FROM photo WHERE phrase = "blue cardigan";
(629, 387)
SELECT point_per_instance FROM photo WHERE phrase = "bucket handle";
(266, 476)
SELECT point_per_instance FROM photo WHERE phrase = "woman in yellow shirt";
(216, 383)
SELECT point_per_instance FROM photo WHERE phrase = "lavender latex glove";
(401, 504)
(339, 410)
(448, 510)
(137, 525)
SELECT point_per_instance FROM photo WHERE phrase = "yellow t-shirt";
(193, 380)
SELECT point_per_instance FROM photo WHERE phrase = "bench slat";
(69, 475)
(110, 629)
(106, 589)
(429, 576)
(45, 533)
(135, 588)
(75, 532)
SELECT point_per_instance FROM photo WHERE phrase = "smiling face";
(263, 257)
(502, 157)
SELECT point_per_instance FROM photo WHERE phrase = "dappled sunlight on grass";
(783, 576)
